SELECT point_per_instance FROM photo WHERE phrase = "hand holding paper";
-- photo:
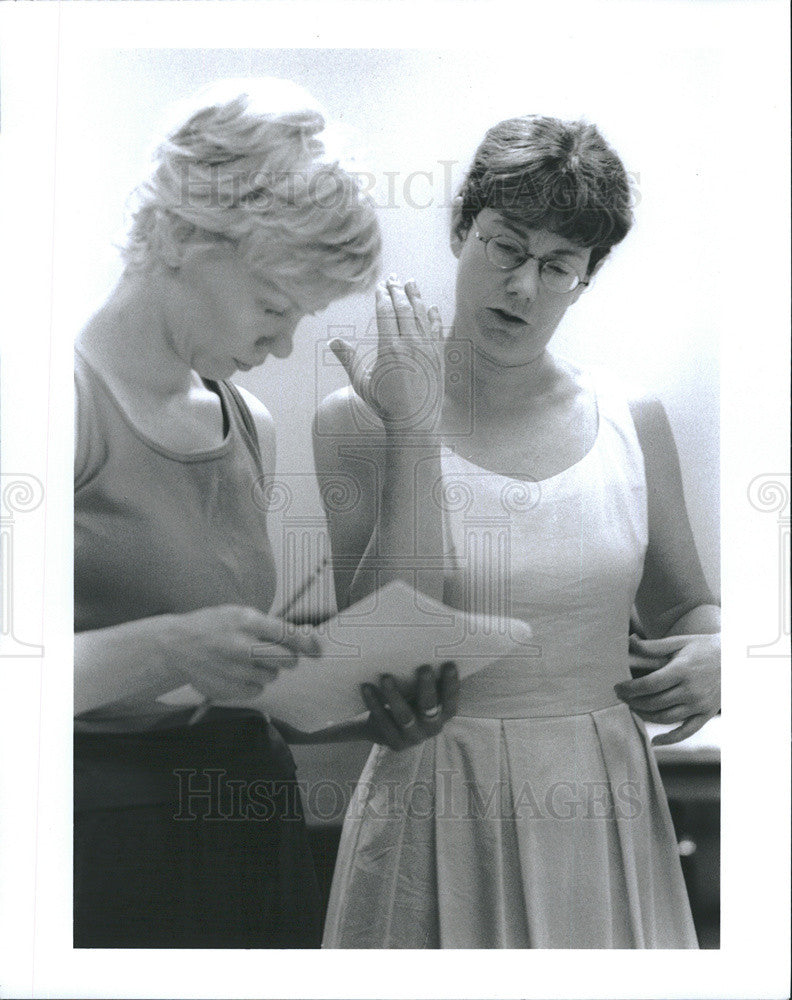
(391, 631)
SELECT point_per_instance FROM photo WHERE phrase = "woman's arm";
(349, 456)
(674, 596)
(404, 388)
(681, 658)
(226, 652)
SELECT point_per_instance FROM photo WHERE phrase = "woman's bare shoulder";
(649, 416)
(343, 412)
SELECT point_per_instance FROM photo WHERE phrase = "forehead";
(225, 264)
(537, 241)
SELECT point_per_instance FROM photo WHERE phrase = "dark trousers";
(192, 838)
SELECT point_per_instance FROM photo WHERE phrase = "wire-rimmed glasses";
(507, 255)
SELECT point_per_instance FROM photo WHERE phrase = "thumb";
(346, 354)
(435, 322)
(353, 366)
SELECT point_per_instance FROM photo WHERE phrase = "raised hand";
(404, 385)
(680, 682)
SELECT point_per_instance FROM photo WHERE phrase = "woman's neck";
(473, 376)
(127, 339)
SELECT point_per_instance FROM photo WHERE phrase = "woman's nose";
(281, 347)
(524, 281)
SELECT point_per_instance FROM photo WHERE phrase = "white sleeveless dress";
(536, 818)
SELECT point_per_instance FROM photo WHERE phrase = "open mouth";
(506, 317)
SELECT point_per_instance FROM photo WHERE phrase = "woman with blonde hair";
(188, 823)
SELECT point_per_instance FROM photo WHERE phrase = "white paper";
(392, 631)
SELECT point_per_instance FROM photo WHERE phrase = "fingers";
(392, 719)
(270, 656)
(399, 708)
(384, 727)
(688, 727)
(449, 689)
(647, 664)
(656, 702)
(666, 716)
(661, 679)
(387, 321)
(411, 315)
(407, 306)
(276, 638)
(659, 647)
(420, 317)
(426, 693)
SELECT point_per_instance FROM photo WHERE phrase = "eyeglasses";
(507, 255)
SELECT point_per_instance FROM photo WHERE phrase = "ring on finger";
(409, 724)
(431, 713)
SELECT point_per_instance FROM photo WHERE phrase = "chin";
(214, 371)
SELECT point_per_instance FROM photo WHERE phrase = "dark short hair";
(550, 174)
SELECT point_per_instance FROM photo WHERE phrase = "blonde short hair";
(244, 164)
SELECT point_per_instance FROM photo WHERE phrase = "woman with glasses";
(505, 481)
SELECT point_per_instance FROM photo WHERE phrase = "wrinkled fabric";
(536, 818)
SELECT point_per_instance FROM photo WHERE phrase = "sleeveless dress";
(536, 818)
(184, 835)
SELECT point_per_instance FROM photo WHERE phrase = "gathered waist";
(503, 692)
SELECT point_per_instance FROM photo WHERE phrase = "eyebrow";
(561, 251)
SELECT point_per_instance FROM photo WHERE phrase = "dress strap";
(89, 445)
(244, 413)
(240, 414)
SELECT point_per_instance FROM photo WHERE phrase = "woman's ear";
(456, 241)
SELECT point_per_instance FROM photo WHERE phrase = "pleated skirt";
(550, 832)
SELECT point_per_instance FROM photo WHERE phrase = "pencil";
(303, 590)
(202, 709)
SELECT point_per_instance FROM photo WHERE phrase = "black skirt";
(192, 837)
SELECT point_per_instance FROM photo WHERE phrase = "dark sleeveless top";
(161, 532)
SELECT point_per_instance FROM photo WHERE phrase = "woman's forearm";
(341, 732)
(407, 542)
(705, 619)
(121, 661)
